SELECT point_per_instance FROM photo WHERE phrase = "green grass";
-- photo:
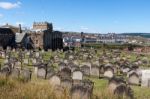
(100, 85)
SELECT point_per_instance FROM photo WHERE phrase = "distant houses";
(73, 39)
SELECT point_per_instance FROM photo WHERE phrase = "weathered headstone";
(86, 70)
(15, 73)
(41, 73)
(66, 82)
(145, 78)
(95, 71)
(55, 80)
(134, 78)
(77, 75)
(26, 61)
(65, 72)
(80, 92)
(108, 72)
(25, 75)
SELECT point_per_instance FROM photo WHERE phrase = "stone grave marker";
(15, 73)
(37, 54)
(3, 55)
(145, 78)
(114, 82)
(5, 71)
(25, 75)
(50, 72)
(123, 91)
(66, 82)
(95, 71)
(108, 72)
(86, 70)
(65, 72)
(26, 61)
(77, 75)
(80, 92)
(55, 80)
(34, 61)
(41, 73)
(133, 78)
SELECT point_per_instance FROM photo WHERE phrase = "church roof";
(6, 31)
(19, 37)
(9, 26)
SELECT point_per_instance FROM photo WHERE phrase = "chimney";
(20, 31)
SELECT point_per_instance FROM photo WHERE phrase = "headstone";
(95, 71)
(37, 54)
(55, 80)
(65, 72)
(41, 73)
(86, 70)
(17, 64)
(108, 72)
(15, 73)
(66, 83)
(123, 91)
(25, 75)
(25, 61)
(77, 75)
(28, 53)
(3, 55)
(6, 61)
(145, 78)
(61, 66)
(50, 72)
(134, 79)
(80, 92)
(5, 71)
(34, 61)
(114, 82)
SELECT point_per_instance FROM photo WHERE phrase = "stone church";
(43, 36)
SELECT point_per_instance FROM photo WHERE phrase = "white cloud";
(9, 5)
(1, 15)
(84, 28)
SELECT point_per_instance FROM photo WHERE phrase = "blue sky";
(101, 16)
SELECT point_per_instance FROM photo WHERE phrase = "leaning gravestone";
(145, 81)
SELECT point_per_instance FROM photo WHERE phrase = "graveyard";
(83, 73)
